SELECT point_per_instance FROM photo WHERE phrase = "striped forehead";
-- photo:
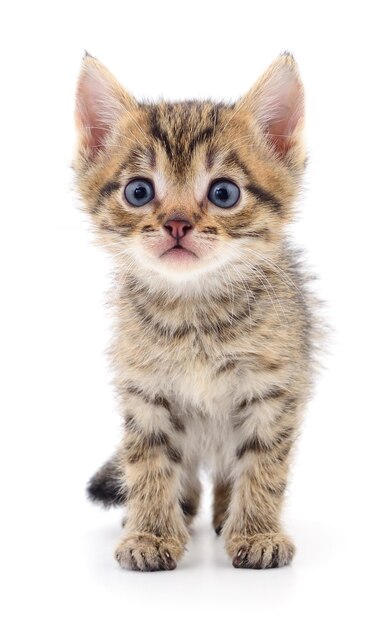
(180, 129)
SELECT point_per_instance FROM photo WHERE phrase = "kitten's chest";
(198, 380)
(200, 361)
(195, 369)
(204, 374)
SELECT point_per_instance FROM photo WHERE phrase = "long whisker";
(265, 282)
(247, 291)
(285, 276)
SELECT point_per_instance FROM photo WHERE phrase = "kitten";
(213, 340)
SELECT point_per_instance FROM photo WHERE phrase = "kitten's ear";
(100, 102)
(276, 102)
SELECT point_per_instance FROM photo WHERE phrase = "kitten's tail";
(107, 487)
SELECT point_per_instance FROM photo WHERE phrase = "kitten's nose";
(177, 228)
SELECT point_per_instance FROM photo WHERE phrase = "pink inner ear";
(91, 126)
(280, 137)
(93, 132)
(96, 109)
(288, 109)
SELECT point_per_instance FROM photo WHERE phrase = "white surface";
(59, 419)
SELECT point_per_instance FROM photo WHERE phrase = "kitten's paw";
(148, 553)
(261, 551)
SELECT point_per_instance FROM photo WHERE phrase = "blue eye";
(224, 194)
(139, 192)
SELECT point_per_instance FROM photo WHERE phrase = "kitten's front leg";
(155, 532)
(253, 533)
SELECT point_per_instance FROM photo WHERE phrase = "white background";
(59, 419)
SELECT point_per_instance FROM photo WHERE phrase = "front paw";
(260, 551)
(149, 553)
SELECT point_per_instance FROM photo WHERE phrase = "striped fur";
(212, 356)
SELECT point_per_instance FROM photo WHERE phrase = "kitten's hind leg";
(222, 496)
(190, 498)
(107, 486)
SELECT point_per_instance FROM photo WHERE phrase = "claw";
(240, 557)
(274, 558)
(171, 563)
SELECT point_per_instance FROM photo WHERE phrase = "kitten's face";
(179, 190)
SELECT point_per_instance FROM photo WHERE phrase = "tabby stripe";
(210, 230)
(210, 159)
(217, 327)
(290, 405)
(130, 423)
(137, 451)
(109, 188)
(159, 134)
(156, 400)
(284, 453)
(272, 394)
(137, 156)
(156, 439)
(255, 444)
(203, 135)
(163, 331)
(264, 196)
(251, 445)
(220, 325)
(120, 230)
(174, 454)
(229, 365)
(148, 228)
(224, 329)
(259, 234)
(275, 490)
(233, 159)
(177, 423)
(256, 190)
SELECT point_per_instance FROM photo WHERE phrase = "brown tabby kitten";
(212, 349)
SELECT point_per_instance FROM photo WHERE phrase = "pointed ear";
(100, 102)
(276, 103)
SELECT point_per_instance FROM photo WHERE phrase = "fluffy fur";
(212, 350)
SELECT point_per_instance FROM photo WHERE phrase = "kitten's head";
(182, 191)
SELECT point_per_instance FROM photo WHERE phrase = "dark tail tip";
(106, 486)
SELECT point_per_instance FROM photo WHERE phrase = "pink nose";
(177, 228)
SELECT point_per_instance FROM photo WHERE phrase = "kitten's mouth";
(179, 252)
